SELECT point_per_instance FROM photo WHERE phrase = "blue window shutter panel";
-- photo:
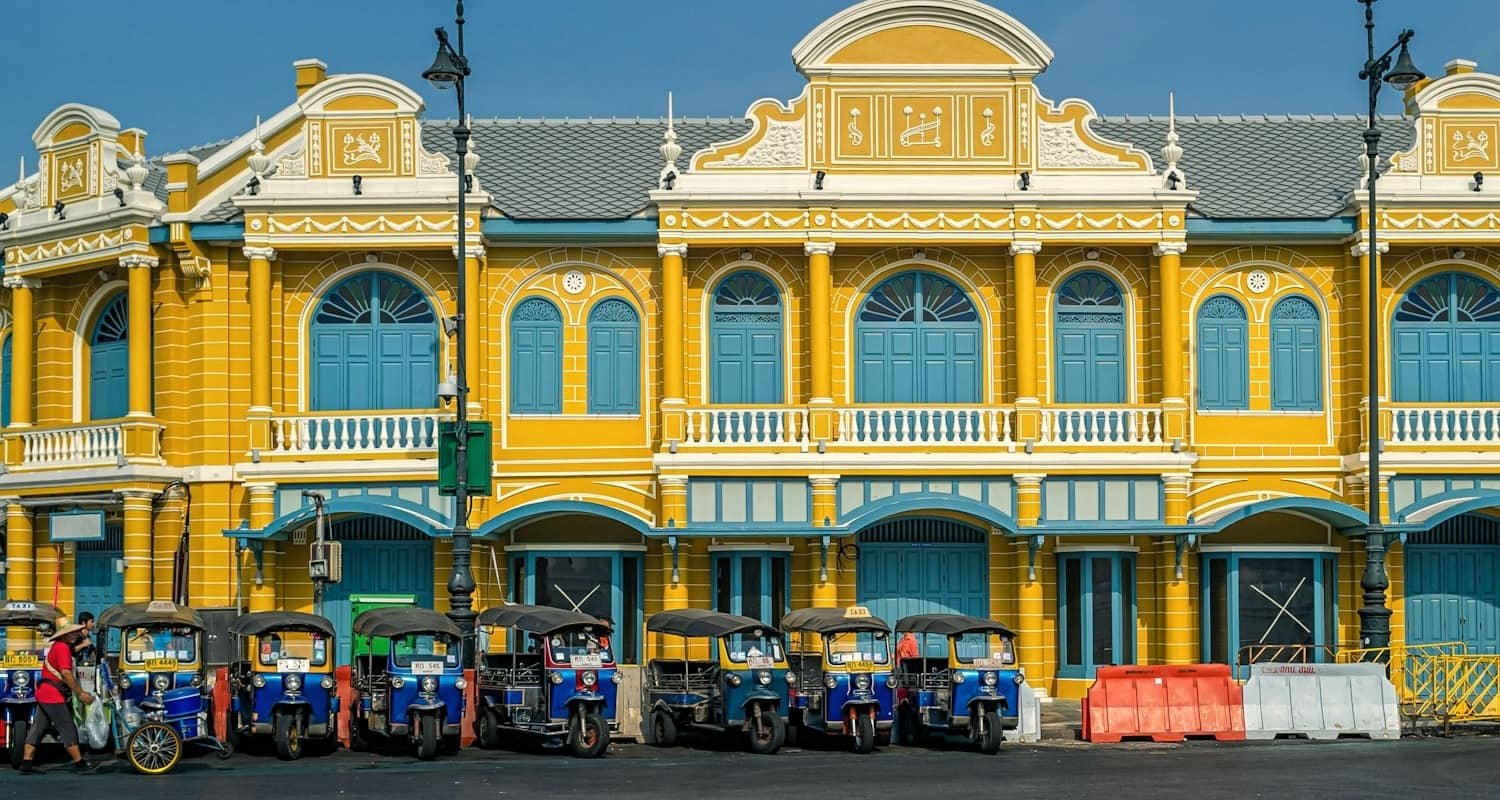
(5, 381)
(614, 358)
(109, 362)
(1236, 365)
(1446, 336)
(536, 358)
(1223, 359)
(745, 321)
(1089, 317)
(1309, 367)
(919, 341)
(374, 338)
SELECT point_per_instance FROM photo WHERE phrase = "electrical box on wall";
(327, 562)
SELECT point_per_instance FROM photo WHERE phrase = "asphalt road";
(1463, 767)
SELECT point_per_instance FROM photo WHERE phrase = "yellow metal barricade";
(1468, 688)
(1415, 671)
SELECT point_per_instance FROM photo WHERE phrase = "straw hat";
(63, 629)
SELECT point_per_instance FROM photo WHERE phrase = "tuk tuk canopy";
(260, 623)
(828, 621)
(132, 615)
(22, 614)
(950, 625)
(697, 622)
(403, 621)
(538, 619)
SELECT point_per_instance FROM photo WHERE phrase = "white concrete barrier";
(1031, 714)
(1320, 701)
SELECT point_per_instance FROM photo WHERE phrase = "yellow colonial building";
(919, 338)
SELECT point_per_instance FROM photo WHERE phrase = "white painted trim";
(86, 321)
(705, 356)
(57, 478)
(741, 547)
(576, 548)
(1268, 548)
(989, 462)
(411, 468)
(1096, 548)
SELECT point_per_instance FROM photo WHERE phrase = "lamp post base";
(1374, 616)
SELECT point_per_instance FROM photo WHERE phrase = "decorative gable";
(1458, 122)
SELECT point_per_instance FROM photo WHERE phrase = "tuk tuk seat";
(511, 669)
(924, 673)
(684, 677)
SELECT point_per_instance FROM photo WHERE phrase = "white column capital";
(1030, 248)
(252, 252)
(130, 496)
(1362, 249)
(663, 250)
(819, 248)
(672, 481)
(1029, 479)
(139, 261)
(1169, 249)
(823, 483)
(474, 250)
(17, 282)
(1177, 480)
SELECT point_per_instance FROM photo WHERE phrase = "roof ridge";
(187, 150)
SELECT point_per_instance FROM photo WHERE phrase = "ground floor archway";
(1453, 584)
(385, 562)
(923, 565)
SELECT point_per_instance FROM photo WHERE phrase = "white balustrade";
(925, 425)
(89, 445)
(1102, 426)
(352, 433)
(1444, 425)
(747, 427)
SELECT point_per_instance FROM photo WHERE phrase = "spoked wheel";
(989, 733)
(864, 732)
(663, 728)
(767, 731)
(153, 749)
(288, 737)
(15, 739)
(427, 737)
(488, 730)
(588, 735)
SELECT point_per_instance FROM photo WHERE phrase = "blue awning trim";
(418, 516)
(158, 234)
(218, 231)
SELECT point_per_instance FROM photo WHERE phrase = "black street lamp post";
(1374, 617)
(449, 69)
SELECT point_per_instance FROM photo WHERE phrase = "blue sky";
(190, 71)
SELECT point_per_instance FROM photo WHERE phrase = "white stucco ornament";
(1258, 281)
(574, 282)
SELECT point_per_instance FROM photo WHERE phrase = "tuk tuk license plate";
(988, 663)
(291, 665)
(426, 667)
(21, 661)
(161, 665)
(860, 666)
(762, 662)
(590, 661)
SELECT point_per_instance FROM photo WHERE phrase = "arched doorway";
(1090, 322)
(1453, 584)
(109, 362)
(918, 340)
(923, 565)
(385, 561)
(374, 346)
(745, 341)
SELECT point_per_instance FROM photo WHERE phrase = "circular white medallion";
(1174, 220)
(1258, 281)
(1025, 221)
(820, 220)
(671, 220)
(255, 224)
(574, 282)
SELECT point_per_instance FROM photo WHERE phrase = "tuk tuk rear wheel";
(427, 737)
(767, 731)
(153, 749)
(864, 732)
(288, 737)
(588, 735)
(989, 734)
(488, 731)
(15, 738)
(663, 728)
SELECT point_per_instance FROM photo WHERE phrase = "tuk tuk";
(972, 688)
(283, 686)
(844, 687)
(157, 685)
(557, 684)
(24, 628)
(410, 682)
(741, 687)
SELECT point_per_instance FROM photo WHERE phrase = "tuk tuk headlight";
(958, 677)
(764, 678)
(556, 678)
(890, 681)
(123, 681)
(734, 680)
(614, 677)
(831, 682)
(20, 680)
(429, 684)
(862, 682)
(161, 683)
(397, 681)
(589, 678)
(989, 679)
(791, 679)
(1019, 679)
(460, 684)
(257, 681)
(327, 683)
(196, 682)
(293, 683)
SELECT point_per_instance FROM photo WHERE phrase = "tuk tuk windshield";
(871, 647)
(143, 644)
(999, 651)
(563, 646)
(425, 647)
(741, 647)
(310, 647)
(22, 641)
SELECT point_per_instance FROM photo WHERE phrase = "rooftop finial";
(471, 158)
(670, 151)
(1172, 151)
(258, 161)
(136, 173)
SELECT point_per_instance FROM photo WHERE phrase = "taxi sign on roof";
(161, 607)
(856, 612)
(20, 606)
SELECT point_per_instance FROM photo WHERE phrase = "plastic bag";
(94, 730)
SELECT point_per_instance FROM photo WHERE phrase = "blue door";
(381, 556)
(1453, 585)
(109, 362)
(923, 566)
(745, 341)
(99, 575)
(1445, 341)
(375, 346)
(1090, 328)
(917, 340)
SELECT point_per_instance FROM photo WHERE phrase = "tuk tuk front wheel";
(864, 732)
(663, 728)
(588, 735)
(15, 738)
(488, 731)
(427, 737)
(767, 731)
(288, 737)
(989, 733)
(153, 749)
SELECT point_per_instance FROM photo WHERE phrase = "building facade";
(919, 338)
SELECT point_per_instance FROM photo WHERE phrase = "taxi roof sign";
(161, 607)
(17, 605)
(856, 612)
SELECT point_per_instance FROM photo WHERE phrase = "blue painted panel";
(923, 566)
(536, 358)
(375, 345)
(918, 341)
(5, 379)
(745, 341)
(1296, 355)
(400, 566)
(109, 362)
(98, 581)
(1223, 359)
(1090, 358)
(1453, 591)
(614, 359)
(1446, 341)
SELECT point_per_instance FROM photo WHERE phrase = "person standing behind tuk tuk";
(908, 647)
(84, 653)
(58, 680)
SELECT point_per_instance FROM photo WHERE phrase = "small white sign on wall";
(77, 526)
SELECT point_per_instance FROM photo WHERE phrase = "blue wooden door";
(99, 575)
(918, 341)
(1090, 340)
(381, 556)
(1445, 341)
(745, 341)
(375, 346)
(1453, 585)
(109, 362)
(923, 566)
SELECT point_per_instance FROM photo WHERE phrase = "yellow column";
(825, 587)
(22, 349)
(260, 327)
(1030, 606)
(474, 254)
(674, 391)
(166, 527)
(1028, 399)
(263, 513)
(139, 267)
(1177, 629)
(820, 332)
(20, 559)
(1169, 290)
(137, 545)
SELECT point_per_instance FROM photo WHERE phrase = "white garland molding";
(67, 248)
(346, 224)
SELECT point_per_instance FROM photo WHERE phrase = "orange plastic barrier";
(466, 733)
(221, 703)
(1164, 704)
(345, 678)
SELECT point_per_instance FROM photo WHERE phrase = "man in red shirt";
(58, 680)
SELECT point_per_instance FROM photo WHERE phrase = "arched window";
(1223, 361)
(374, 346)
(1090, 321)
(918, 341)
(614, 358)
(5, 379)
(109, 362)
(745, 341)
(1296, 355)
(1446, 341)
(536, 358)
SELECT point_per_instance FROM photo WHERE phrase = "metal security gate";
(381, 556)
(1453, 584)
(923, 566)
(98, 572)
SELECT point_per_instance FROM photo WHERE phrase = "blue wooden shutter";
(919, 341)
(1296, 355)
(1090, 351)
(5, 379)
(109, 362)
(614, 359)
(374, 340)
(1222, 356)
(536, 358)
(745, 341)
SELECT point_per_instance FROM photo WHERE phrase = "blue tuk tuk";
(844, 687)
(157, 687)
(970, 687)
(24, 628)
(741, 686)
(410, 682)
(557, 683)
(283, 685)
